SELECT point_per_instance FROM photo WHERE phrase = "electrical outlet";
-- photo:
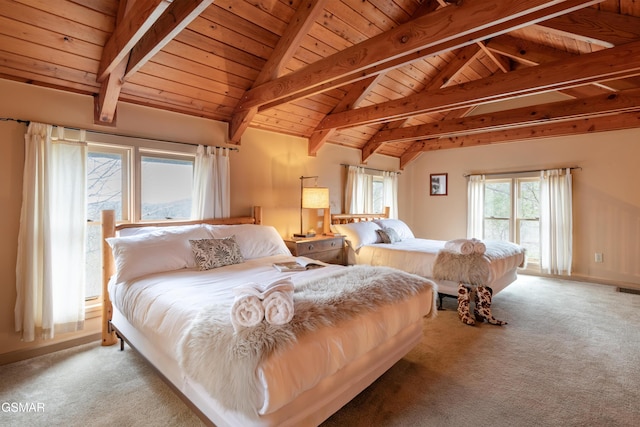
(599, 257)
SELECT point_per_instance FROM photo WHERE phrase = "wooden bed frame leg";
(108, 230)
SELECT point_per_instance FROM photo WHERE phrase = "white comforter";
(418, 256)
(163, 305)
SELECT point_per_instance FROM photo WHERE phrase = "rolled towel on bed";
(254, 302)
(278, 301)
(461, 246)
(281, 285)
(246, 311)
(478, 246)
(278, 307)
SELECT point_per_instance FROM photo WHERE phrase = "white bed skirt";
(309, 409)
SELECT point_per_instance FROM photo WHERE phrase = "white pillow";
(358, 234)
(403, 230)
(155, 252)
(255, 241)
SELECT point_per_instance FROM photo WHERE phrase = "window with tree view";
(512, 212)
(161, 190)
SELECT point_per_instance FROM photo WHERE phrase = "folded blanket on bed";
(226, 363)
(470, 268)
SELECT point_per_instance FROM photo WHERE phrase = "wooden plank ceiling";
(395, 77)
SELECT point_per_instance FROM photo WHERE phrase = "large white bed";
(350, 324)
(365, 246)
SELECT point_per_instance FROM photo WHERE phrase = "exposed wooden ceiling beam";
(518, 117)
(617, 62)
(626, 120)
(106, 101)
(354, 96)
(171, 23)
(445, 77)
(159, 23)
(602, 28)
(358, 92)
(445, 29)
(299, 26)
(620, 121)
(134, 25)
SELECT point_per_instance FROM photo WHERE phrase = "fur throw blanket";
(474, 269)
(226, 364)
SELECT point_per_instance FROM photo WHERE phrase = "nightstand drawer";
(334, 256)
(329, 249)
(314, 246)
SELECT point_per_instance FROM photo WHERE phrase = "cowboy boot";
(463, 305)
(482, 309)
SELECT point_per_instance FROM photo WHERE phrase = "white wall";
(606, 201)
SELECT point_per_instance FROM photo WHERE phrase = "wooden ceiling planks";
(226, 57)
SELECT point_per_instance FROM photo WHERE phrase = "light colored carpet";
(570, 356)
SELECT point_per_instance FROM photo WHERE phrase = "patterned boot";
(482, 310)
(463, 305)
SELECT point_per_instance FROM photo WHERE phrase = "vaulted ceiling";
(395, 77)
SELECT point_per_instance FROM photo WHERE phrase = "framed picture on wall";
(438, 184)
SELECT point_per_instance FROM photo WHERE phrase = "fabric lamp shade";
(315, 197)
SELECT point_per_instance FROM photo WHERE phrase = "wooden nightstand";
(323, 248)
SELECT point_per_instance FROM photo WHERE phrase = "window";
(160, 190)
(166, 186)
(511, 212)
(370, 192)
(377, 190)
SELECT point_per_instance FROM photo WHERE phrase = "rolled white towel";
(250, 288)
(280, 285)
(478, 246)
(246, 311)
(278, 307)
(461, 246)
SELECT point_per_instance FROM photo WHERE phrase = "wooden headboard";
(349, 218)
(110, 228)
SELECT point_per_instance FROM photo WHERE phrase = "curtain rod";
(466, 175)
(367, 167)
(27, 122)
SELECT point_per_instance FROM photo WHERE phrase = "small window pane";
(93, 270)
(378, 195)
(496, 229)
(497, 200)
(529, 203)
(105, 171)
(104, 183)
(530, 239)
(166, 188)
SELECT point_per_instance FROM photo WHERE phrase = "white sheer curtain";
(556, 221)
(475, 206)
(50, 281)
(390, 192)
(211, 186)
(358, 191)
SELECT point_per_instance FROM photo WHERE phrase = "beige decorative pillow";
(214, 253)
